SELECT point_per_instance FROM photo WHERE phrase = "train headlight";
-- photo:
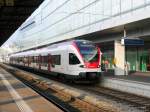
(82, 66)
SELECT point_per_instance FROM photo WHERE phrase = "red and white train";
(75, 59)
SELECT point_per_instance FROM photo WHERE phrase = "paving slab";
(17, 97)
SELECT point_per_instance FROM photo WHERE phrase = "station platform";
(17, 97)
(134, 76)
(137, 83)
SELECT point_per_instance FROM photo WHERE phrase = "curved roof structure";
(13, 13)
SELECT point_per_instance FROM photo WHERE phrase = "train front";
(91, 57)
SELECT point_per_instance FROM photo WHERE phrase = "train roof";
(44, 50)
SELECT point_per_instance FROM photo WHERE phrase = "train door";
(23, 60)
(36, 61)
(39, 60)
(49, 62)
(56, 63)
(64, 62)
(28, 61)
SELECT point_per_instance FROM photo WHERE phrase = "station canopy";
(13, 13)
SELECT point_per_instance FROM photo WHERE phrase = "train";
(71, 60)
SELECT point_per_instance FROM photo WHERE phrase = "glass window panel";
(73, 59)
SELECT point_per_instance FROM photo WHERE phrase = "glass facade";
(107, 49)
(138, 57)
(108, 55)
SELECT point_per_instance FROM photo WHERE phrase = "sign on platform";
(132, 42)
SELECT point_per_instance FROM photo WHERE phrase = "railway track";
(59, 96)
(84, 105)
(135, 100)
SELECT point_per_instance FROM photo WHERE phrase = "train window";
(44, 60)
(89, 51)
(30, 59)
(36, 59)
(73, 59)
(17, 59)
(56, 59)
(21, 59)
(25, 60)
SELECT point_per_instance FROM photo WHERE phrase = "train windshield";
(88, 50)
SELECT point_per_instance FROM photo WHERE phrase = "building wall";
(64, 19)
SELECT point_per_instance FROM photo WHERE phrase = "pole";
(126, 64)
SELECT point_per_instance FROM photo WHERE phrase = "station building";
(105, 22)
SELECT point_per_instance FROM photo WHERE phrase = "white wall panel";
(138, 3)
(57, 20)
(126, 5)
